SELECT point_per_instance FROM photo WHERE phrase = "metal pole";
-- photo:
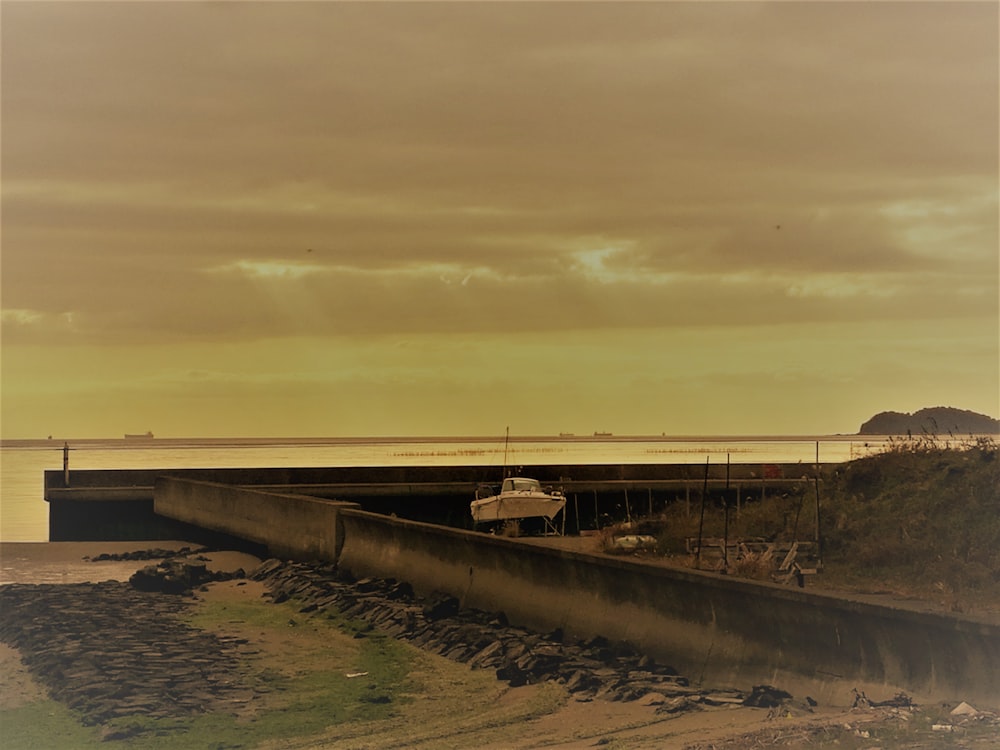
(819, 539)
(725, 536)
(701, 523)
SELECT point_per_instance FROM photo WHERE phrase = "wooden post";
(628, 510)
(66, 464)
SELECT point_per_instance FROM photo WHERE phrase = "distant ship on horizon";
(143, 436)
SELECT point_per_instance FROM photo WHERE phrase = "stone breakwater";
(109, 650)
(116, 650)
(592, 669)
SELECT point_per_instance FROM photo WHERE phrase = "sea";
(24, 512)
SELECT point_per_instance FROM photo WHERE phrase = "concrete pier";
(717, 629)
(94, 504)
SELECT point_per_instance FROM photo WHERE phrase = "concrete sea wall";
(294, 526)
(716, 629)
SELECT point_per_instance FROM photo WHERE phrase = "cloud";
(233, 173)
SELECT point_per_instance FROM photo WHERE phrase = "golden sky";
(336, 219)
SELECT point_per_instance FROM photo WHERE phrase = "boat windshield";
(519, 483)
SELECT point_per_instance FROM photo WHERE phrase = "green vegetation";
(321, 680)
(45, 724)
(326, 675)
(921, 519)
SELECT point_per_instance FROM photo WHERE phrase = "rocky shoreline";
(593, 669)
(109, 650)
(120, 653)
(114, 650)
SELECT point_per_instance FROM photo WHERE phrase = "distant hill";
(941, 421)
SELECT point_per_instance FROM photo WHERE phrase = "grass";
(307, 689)
(408, 698)
(921, 519)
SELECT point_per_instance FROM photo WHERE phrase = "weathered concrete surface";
(714, 628)
(305, 528)
(718, 630)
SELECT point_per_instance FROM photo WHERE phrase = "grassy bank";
(921, 519)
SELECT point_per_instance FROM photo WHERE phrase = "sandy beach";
(73, 562)
(454, 712)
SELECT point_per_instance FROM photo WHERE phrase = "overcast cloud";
(238, 172)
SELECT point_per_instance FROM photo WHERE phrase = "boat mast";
(506, 441)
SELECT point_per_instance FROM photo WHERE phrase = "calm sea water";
(24, 512)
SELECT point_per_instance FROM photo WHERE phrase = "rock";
(440, 606)
(766, 696)
(174, 576)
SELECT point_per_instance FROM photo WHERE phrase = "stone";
(766, 696)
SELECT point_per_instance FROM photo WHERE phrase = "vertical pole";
(628, 510)
(725, 536)
(597, 513)
(66, 464)
(576, 508)
(819, 541)
(701, 523)
(687, 499)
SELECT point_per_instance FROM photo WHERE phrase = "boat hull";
(513, 505)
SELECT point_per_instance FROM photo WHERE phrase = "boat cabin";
(520, 484)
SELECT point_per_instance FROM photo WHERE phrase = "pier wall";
(117, 503)
(288, 525)
(715, 629)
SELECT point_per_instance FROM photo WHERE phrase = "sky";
(334, 219)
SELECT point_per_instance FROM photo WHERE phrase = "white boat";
(519, 497)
